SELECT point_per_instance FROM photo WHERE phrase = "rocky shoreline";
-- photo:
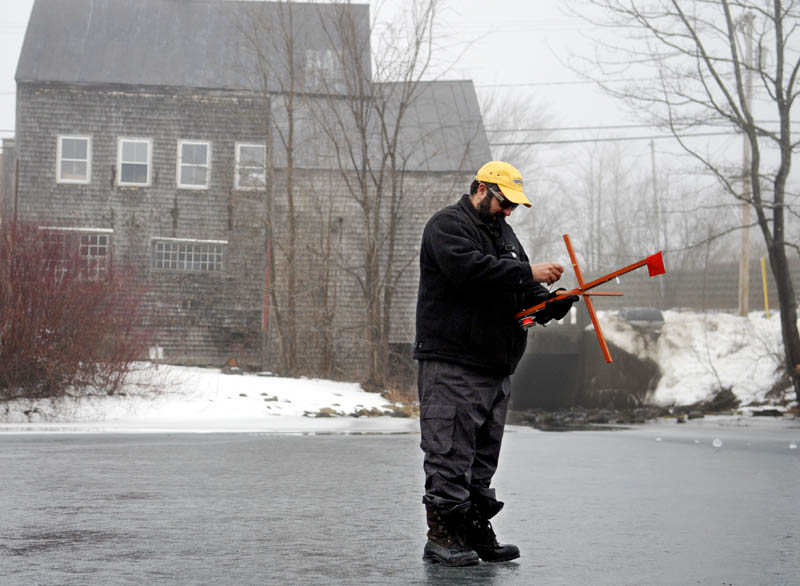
(582, 419)
(723, 402)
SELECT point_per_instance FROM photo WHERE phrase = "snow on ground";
(174, 398)
(697, 353)
(700, 353)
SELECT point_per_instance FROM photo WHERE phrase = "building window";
(251, 166)
(322, 72)
(177, 254)
(194, 161)
(134, 160)
(74, 159)
(89, 248)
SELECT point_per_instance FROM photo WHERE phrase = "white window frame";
(178, 255)
(94, 266)
(59, 159)
(207, 166)
(237, 174)
(149, 142)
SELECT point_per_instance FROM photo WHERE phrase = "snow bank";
(173, 398)
(699, 353)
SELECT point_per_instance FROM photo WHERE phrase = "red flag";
(655, 264)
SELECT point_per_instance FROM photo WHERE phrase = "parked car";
(648, 318)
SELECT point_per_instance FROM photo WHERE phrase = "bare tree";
(699, 53)
(272, 38)
(512, 123)
(339, 98)
(365, 124)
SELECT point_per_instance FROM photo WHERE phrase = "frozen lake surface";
(655, 505)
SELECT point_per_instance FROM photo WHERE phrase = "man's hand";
(556, 309)
(546, 272)
(560, 307)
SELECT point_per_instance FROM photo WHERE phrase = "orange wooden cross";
(655, 266)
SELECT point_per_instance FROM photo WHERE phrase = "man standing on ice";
(474, 276)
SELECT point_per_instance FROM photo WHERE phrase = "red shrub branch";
(65, 328)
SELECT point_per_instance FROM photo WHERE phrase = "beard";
(484, 213)
(483, 210)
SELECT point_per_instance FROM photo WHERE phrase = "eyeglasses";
(504, 202)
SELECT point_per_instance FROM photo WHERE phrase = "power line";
(608, 139)
(567, 128)
(530, 25)
(610, 127)
(565, 82)
(533, 83)
(603, 127)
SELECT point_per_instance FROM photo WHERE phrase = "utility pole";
(744, 257)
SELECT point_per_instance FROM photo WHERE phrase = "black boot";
(446, 540)
(480, 537)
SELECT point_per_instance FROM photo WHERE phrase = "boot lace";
(483, 532)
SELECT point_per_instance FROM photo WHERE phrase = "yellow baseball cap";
(507, 178)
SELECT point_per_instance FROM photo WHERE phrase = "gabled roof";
(443, 129)
(204, 44)
(178, 43)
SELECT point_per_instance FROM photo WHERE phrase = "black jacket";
(474, 276)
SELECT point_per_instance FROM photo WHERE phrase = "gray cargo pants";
(462, 415)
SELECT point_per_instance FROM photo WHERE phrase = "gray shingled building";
(152, 132)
